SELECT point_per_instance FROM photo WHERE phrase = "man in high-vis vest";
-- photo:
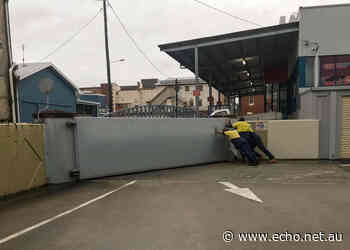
(240, 144)
(254, 140)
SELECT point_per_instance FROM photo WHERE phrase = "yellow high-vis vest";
(243, 127)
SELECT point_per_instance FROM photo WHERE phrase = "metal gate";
(345, 132)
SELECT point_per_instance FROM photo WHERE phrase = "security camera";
(315, 49)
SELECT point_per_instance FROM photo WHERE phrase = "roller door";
(345, 132)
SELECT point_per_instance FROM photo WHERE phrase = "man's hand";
(218, 132)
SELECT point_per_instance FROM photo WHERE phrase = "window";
(187, 88)
(191, 102)
(328, 75)
(200, 87)
(251, 100)
(200, 103)
(335, 70)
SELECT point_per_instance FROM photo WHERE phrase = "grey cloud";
(45, 24)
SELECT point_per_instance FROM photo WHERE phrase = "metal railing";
(156, 111)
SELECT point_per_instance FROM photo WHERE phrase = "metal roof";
(79, 101)
(25, 70)
(180, 81)
(129, 87)
(149, 83)
(221, 57)
(325, 6)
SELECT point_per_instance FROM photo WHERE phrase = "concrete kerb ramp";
(98, 147)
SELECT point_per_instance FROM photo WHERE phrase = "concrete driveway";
(188, 208)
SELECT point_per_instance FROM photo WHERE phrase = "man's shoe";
(273, 161)
(253, 164)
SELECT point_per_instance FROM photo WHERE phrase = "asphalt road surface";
(188, 209)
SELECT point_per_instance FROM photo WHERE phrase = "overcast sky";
(42, 26)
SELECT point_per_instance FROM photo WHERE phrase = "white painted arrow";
(244, 192)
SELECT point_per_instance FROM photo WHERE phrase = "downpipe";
(12, 92)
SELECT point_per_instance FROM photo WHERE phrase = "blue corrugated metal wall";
(31, 99)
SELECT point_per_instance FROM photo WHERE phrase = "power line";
(227, 13)
(72, 37)
(134, 41)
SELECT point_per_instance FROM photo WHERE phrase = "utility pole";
(110, 94)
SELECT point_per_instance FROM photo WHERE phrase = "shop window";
(335, 70)
(342, 68)
(327, 71)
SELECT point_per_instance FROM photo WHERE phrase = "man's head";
(241, 119)
(228, 126)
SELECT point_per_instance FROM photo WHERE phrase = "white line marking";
(13, 236)
(244, 192)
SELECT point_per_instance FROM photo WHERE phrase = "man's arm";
(219, 132)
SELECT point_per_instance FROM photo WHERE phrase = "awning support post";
(265, 98)
(210, 94)
(197, 77)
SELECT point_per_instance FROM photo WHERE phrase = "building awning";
(238, 61)
(83, 102)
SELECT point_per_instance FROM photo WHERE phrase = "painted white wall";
(327, 25)
(294, 139)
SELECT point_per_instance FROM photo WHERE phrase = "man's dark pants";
(244, 148)
(254, 141)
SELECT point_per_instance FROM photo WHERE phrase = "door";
(323, 116)
(345, 131)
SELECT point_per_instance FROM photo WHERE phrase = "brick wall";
(187, 96)
(140, 96)
(256, 108)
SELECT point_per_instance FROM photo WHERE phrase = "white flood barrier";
(96, 147)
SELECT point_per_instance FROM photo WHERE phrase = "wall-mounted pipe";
(12, 92)
(317, 65)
